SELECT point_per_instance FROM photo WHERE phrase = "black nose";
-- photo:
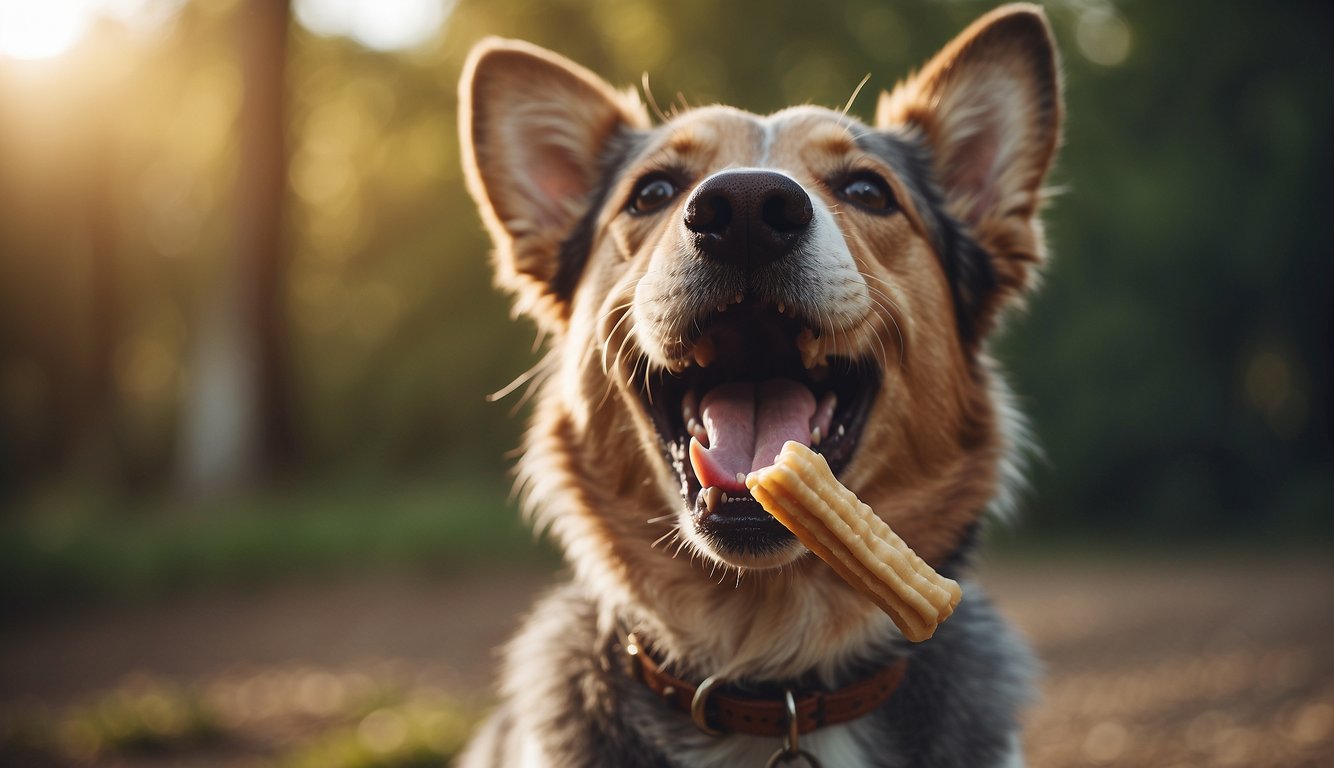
(748, 218)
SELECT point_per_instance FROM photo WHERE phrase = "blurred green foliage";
(366, 724)
(144, 716)
(1176, 363)
(420, 733)
(70, 544)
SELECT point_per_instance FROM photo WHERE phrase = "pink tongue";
(747, 425)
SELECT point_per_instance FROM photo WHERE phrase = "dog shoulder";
(960, 704)
(563, 699)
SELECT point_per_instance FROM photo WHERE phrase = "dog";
(713, 285)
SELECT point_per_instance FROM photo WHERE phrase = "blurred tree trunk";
(239, 423)
(98, 450)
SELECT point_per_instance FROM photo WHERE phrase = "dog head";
(721, 282)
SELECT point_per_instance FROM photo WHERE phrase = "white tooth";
(841, 430)
(827, 403)
(741, 477)
(704, 352)
(698, 431)
(711, 496)
(815, 436)
(724, 499)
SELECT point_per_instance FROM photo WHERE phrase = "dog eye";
(652, 195)
(869, 193)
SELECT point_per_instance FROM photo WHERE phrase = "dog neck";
(798, 624)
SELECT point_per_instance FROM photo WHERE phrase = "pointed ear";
(536, 129)
(988, 107)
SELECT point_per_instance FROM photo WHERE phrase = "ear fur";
(988, 107)
(535, 128)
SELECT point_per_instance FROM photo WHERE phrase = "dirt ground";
(1154, 663)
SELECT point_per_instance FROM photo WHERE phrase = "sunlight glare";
(140, 14)
(384, 25)
(45, 29)
(1103, 36)
(41, 29)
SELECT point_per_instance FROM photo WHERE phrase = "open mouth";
(747, 391)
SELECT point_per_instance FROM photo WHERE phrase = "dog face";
(722, 282)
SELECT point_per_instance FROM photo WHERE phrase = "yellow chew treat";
(802, 494)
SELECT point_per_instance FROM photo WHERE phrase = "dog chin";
(747, 551)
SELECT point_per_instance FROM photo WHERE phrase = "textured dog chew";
(803, 495)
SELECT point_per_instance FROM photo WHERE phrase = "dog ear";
(535, 129)
(988, 106)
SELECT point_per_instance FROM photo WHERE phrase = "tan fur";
(592, 473)
(982, 89)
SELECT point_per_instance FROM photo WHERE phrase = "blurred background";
(254, 501)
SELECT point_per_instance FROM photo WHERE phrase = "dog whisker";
(661, 518)
(623, 305)
(889, 311)
(648, 94)
(663, 538)
(625, 292)
(855, 92)
(531, 381)
(611, 336)
(518, 381)
(610, 380)
(603, 317)
(880, 323)
(644, 359)
(534, 386)
(898, 331)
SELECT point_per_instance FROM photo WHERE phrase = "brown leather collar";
(719, 712)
